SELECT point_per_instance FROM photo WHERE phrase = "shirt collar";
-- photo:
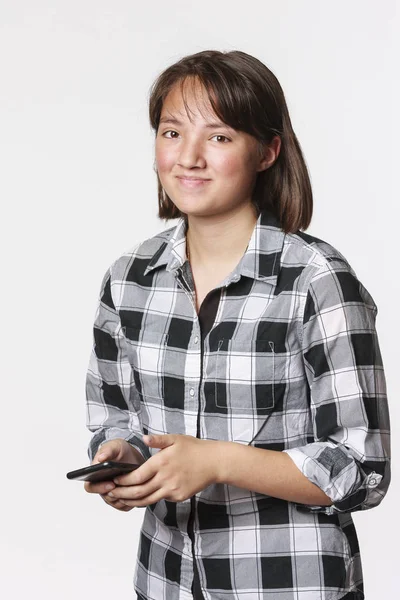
(261, 260)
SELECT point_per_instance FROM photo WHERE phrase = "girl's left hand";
(184, 466)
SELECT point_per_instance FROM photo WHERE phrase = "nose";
(191, 154)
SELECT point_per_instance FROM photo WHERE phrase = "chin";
(194, 206)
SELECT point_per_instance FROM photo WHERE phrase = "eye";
(219, 135)
(169, 131)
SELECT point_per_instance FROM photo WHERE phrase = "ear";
(268, 153)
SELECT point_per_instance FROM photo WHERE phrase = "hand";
(184, 466)
(120, 451)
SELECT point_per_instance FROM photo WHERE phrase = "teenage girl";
(247, 349)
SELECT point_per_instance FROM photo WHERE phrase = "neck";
(220, 238)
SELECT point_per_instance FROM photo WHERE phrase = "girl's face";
(205, 167)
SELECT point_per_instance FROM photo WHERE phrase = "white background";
(78, 188)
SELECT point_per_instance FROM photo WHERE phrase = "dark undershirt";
(207, 312)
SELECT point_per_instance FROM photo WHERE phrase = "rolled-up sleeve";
(350, 456)
(112, 400)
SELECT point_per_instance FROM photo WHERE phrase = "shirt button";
(191, 391)
(196, 340)
(372, 482)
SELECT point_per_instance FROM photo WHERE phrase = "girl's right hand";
(118, 450)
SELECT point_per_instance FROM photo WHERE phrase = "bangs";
(222, 95)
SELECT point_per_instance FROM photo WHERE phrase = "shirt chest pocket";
(246, 374)
(146, 354)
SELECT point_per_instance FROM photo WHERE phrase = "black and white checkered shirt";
(291, 363)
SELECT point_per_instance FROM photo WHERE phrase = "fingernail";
(110, 494)
(109, 487)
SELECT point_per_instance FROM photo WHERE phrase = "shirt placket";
(203, 322)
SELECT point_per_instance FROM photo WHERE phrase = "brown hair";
(247, 96)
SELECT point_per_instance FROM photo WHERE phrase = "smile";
(192, 183)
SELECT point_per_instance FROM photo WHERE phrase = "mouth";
(192, 182)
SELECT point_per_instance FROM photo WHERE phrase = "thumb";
(107, 451)
(159, 441)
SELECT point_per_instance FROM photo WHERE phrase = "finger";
(125, 506)
(152, 499)
(118, 504)
(100, 487)
(146, 471)
(133, 492)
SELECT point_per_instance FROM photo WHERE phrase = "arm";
(347, 467)
(112, 401)
(240, 465)
(349, 458)
(188, 464)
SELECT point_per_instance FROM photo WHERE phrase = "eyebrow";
(211, 125)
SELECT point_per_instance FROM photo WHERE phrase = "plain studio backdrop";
(78, 189)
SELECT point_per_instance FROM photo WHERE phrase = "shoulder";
(327, 272)
(313, 252)
(138, 256)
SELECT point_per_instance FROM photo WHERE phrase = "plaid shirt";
(291, 363)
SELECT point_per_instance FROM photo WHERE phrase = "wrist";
(220, 459)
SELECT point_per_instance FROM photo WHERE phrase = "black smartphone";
(104, 471)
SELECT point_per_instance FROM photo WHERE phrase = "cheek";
(227, 165)
(164, 160)
(237, 169)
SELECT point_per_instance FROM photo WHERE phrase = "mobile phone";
(104, 471)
